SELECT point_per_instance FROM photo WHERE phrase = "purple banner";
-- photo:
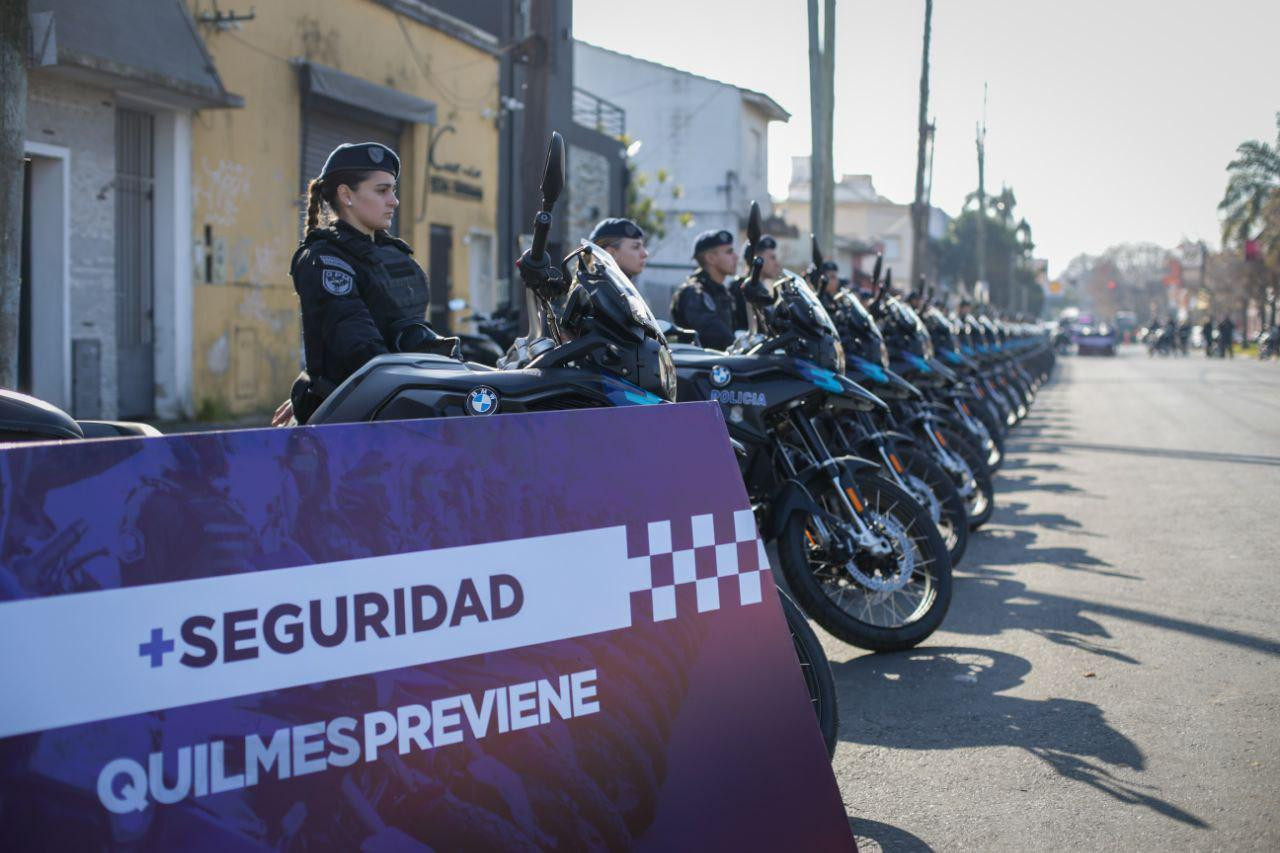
(520, 632)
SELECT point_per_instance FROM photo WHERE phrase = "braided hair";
(322, 195)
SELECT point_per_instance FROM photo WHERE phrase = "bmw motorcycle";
(601, 346)
(862, 558)
(901, 459)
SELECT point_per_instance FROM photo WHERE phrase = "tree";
(651, 205)
(1250, 210)
(1007, 249)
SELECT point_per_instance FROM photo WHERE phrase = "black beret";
(616, 227)
(710, 240)
(830, 266)
(363, 156)
(766, 242)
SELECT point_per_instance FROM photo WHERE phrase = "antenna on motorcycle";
(884, 288)
(815, 271)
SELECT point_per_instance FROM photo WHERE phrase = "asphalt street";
(1108, 676)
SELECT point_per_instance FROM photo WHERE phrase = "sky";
(1112, 121)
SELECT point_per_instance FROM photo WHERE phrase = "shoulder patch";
(708, 301)
(337, 263)
(337, 282)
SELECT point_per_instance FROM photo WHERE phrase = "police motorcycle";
(901, 460)
(862, 558)
(996, 390)
(968, 405)
(930, 421)
(601, 347)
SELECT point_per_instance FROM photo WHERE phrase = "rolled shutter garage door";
(326, 128)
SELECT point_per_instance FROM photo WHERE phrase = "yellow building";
(311, 76)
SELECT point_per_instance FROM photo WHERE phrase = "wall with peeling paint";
(246, 167)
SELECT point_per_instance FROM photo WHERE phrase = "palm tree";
(1251, 210)
(1253, 181)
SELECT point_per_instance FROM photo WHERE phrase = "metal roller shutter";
(325, 128)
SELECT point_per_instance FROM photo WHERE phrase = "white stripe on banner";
(91, 656)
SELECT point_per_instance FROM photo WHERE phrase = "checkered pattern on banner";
(703, 562)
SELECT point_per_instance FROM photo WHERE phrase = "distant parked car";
(1097, 339)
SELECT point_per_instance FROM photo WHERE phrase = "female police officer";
(361, 292)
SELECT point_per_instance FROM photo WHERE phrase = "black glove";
(542, 277)
(419, 337)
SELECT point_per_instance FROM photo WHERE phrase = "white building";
(865, 223)
(710, 139)
(107, 248)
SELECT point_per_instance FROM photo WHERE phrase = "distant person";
(1227, 336)
(703, 302)
(624, 241)
(1206, 331)
(1184, 336)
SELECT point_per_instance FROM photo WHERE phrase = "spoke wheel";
(903, 595)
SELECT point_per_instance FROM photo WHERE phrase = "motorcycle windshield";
(605, 266)
(909, 319)
(800, 288)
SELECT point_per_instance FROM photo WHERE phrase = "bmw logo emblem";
(720, 376)
(482, 401)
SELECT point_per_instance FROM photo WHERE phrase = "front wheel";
(816, 670)
(883, 603)
(927, 480)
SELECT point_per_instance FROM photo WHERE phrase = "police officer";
(624, 240)
(703, 302)
(361, 292)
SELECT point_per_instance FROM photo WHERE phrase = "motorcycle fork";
(846, 493)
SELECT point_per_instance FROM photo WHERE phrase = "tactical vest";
(391, 284)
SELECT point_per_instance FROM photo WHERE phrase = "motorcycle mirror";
(875, 275)
(553, 172)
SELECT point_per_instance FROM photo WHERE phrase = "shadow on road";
(1034, 446)
(873, 836)
(909, 701)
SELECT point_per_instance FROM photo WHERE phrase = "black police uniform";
(706, 307)
(360, 296)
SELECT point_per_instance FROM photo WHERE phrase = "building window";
(757, 153)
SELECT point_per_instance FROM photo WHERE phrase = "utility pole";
(822, 61)
(919, 207)
(982, 197)
(13, 128)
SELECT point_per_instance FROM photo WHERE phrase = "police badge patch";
(337, 282)
(708, 301)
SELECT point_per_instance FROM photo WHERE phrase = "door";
(440, 262)
(135, 274)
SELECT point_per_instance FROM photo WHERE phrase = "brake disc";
(904, 554)
(925, 495)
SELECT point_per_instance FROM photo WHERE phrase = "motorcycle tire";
(829, 593)
(953, 521)
(816, 670)
(981, 504)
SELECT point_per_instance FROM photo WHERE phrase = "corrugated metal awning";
(354, 91)
(142, 46)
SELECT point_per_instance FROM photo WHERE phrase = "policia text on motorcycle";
(360, 290)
